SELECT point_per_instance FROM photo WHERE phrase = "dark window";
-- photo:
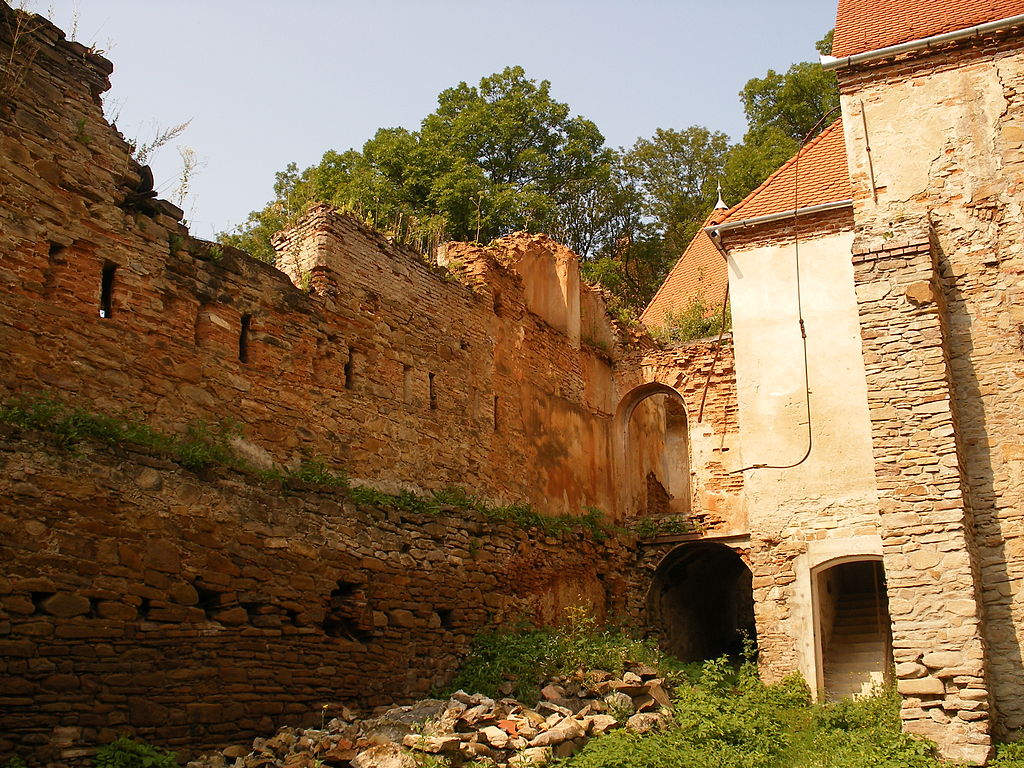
(243, 338)
(107, 289)
(350, 375)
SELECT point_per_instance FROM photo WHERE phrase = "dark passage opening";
(701, 602)
(107, 289)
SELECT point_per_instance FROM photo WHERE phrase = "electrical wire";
(799, 306)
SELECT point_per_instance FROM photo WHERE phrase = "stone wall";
(701, 374)
(925, 514)
(945, 135)
(136, 597)
(495, 373)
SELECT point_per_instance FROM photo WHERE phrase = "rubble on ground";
(467, 728)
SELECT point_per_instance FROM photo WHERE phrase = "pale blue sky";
(265, 83)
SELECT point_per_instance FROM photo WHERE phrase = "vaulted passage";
(853, 628)
(701, 602)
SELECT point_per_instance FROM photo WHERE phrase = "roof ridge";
(712, 218)
(779, 172)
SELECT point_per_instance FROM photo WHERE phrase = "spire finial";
(721, 203)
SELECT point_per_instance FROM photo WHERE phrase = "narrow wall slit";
(107, 290)
(350, 369)
(243, 338)
(432, 391)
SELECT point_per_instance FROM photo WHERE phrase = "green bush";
(1009, 756)
(527, 658)
(125, 753)
(697, 320)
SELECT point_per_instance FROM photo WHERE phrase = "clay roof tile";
(816, 174)
(701, 272)
(866, 25)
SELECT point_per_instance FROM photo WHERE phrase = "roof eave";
(841, 62)
(716, 230)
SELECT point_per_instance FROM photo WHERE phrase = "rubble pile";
(467, 728)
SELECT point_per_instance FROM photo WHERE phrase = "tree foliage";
(503, 155)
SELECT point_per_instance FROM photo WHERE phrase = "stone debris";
(467, 727)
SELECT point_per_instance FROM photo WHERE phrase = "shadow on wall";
(991, 529)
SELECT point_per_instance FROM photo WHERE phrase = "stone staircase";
(858, 656)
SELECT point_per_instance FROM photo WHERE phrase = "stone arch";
(654, 461)
(701, 602)
(852, 627)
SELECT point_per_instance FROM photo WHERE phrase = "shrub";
(125, 753)
(697, 320)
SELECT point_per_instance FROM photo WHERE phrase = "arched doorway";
(653, 452)
(852, 627)
(701, 602)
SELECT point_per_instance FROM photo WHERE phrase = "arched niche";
(653, 452)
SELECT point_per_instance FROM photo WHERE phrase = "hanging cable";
(718, 351)
(799, 305)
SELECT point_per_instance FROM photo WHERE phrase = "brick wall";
(137, 598)
(406, 374)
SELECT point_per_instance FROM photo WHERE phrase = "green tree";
(492, 158)
(782, 110)
(666, 186)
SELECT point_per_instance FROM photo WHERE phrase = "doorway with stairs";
(852, 628)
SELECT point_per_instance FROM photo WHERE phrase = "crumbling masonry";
(193, 610)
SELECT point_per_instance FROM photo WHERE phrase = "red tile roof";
(817, 172)
(866, 25)
(700, 272)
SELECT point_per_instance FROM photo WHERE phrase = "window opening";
(107, 290)
(243, 338)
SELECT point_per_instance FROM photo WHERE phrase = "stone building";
(842, 475)
(876, 286)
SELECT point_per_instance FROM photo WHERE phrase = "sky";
(265, 83)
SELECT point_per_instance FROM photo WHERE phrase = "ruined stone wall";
(946, 132)
(703, 374)
(398, 371)
(136, 597)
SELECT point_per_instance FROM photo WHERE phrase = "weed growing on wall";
(697, 320)
(205, 444)
(202, 445)
(665, 525)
